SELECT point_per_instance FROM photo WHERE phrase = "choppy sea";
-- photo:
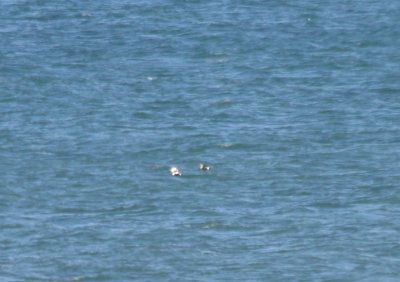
(295, 105)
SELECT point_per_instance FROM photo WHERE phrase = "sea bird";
(204, 167)
(174, 171)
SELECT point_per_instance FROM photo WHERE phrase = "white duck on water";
(174, 171)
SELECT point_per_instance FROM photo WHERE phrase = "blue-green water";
(295, 106)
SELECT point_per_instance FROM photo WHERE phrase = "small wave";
(227, 145)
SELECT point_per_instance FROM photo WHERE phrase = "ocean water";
(294, 104)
